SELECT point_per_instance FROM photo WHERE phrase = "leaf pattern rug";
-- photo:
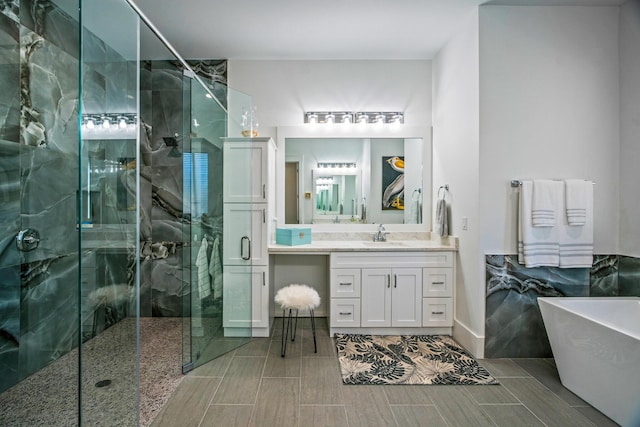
(407, 359)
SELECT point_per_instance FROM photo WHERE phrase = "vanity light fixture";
(106, 122)
(336, 165)
(348, 117)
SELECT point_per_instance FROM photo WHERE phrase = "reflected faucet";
(381, 235)
(337, 220)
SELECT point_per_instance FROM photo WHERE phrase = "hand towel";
(576, 243)
(215, 269)
(537, 246)
(202, 264)
(544, 203)
(442, 220)
(576, 192)
(414, 206)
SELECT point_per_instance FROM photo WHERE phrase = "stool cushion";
(298, 297)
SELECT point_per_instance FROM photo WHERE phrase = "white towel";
(576, 243)
(544, 203)
(215, 269)
(576, 193)
(537, 246)
(442, 220)
(202, 264)
(414, 206)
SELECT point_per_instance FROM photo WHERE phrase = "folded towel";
(576, 193)
(215, 269)
(544, 203)
(537, 246)
(202, 264)
(442, 220)
(576, 243)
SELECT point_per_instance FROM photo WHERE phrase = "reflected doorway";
(291, 193)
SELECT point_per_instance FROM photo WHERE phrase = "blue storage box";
(293, 236)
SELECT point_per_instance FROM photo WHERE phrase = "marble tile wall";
(513, 324)
(166, 259)
(38, 178)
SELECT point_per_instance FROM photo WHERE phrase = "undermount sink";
(387, 243)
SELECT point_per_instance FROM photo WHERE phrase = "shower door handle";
(248, 257)
(27, 239)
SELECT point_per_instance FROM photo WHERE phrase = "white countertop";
(328, 246)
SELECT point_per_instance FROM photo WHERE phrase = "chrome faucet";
(337, 220)
(381, 235)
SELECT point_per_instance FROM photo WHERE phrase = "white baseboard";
(469, 340)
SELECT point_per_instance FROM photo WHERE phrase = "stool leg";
(285, 336)
(313, 328)
(295, 328)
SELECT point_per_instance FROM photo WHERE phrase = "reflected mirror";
(355, 180)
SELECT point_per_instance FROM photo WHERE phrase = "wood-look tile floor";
(254, 386)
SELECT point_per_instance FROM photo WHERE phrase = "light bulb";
(122, 124)
(90, 123)
(346, 118)
(329, 118)
(312, 118)
(380, 119)
(106, 124)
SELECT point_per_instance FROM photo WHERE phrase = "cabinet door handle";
(264, 191)
(395, 280)
(437, 283)
(264, 280)
(345, 284)
(345, 314)
(264, 216)
(437, 312)
(388, 280)
(242, 248)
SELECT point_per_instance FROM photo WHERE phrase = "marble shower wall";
(165, 229)
(38, 181)
(513, 324)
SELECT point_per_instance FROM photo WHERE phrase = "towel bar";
(518, 182)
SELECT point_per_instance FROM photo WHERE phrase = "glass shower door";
(205, 336)
(39, 308)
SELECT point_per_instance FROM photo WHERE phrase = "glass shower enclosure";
(110, 186)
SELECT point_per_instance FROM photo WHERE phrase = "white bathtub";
(596, 346)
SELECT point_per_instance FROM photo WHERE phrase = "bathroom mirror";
(335, 196)
(354, 176)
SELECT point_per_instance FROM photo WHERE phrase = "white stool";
(297, 297)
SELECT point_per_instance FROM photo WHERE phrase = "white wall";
(523, 92)
(630, 128)
(549, 108)
(455, 162)
(283, 90)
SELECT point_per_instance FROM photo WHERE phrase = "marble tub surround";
(513, 324)
(361, 241)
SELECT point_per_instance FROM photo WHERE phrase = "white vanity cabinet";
(391, 291)
(391, 297)
(249, 185)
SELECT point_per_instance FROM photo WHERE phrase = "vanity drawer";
(392, 259)
(345, 283)
(437, 282)
(437, 311)
(345, 312)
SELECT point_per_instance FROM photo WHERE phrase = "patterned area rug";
(407, 359)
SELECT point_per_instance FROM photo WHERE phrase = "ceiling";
(305, 29)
